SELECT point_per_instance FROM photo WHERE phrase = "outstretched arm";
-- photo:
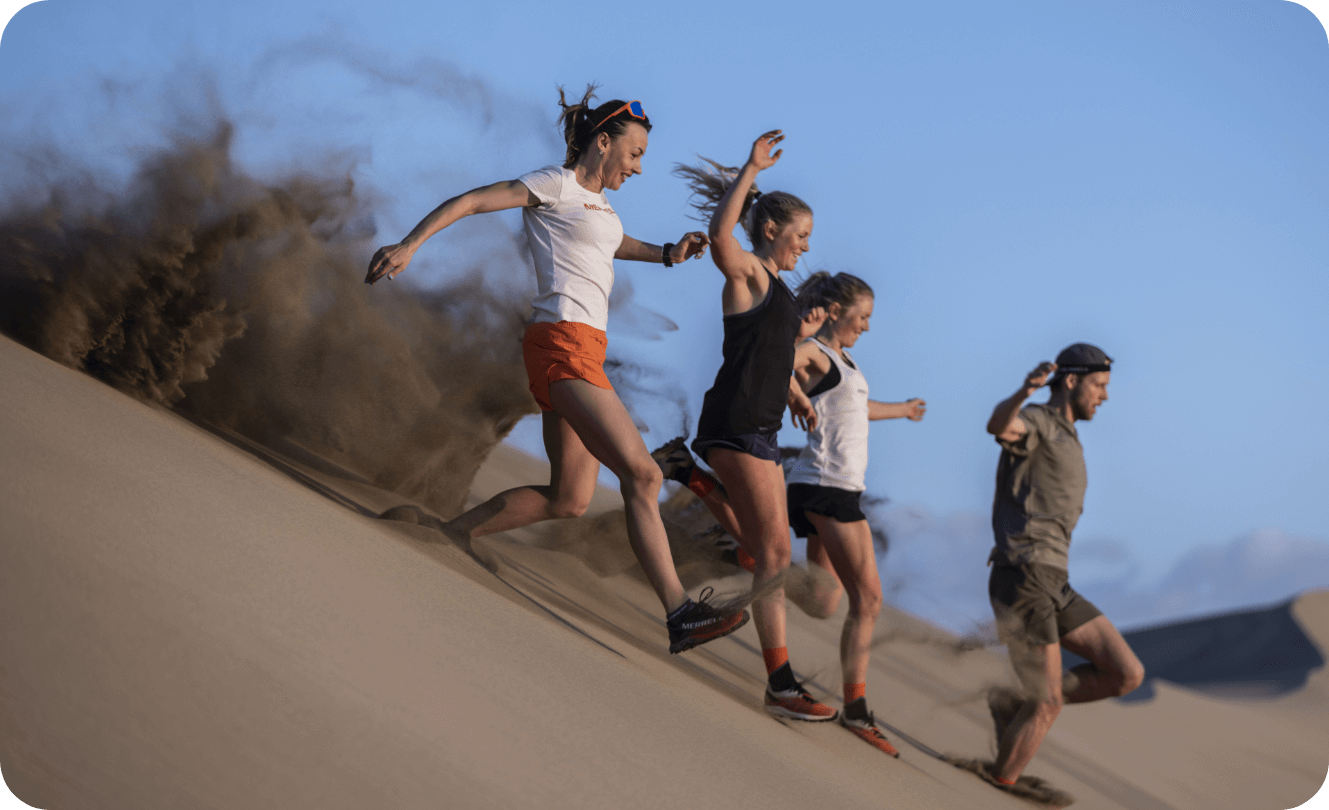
(691, 246)
(912, 410)
(1005, 423)
(730, 257)
(390, 260)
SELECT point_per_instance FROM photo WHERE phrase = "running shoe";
(739, 558)
(797, 704)
(730, 551)
(867, 730)
(716, 537)
(699, 622)
(674, 459)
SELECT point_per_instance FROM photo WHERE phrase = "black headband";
(1084, 369)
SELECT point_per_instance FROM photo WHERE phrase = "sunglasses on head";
(633, 108)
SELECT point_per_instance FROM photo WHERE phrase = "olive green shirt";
(1041, 479)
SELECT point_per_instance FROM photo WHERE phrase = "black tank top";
(752, 386)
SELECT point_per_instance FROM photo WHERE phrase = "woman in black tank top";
(752, 385)
(744, 408)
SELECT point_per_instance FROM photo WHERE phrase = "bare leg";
(1113, 669)
(756, 494)
(717, 501)
(600, 429)
(825, 596)
(849, 546)
(1039, 668)
(572, 474)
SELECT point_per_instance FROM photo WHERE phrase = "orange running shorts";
(566, 350)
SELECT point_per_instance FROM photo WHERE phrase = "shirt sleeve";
(546, 184)
(1035, 426)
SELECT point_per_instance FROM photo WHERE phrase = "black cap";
(1083, 358)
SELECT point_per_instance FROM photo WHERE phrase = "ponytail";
(708, 187)
(580, 123)
(821, 289)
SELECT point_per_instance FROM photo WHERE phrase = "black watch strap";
(664, 254)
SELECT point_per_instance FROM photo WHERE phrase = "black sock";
(857, 709)
(782, 680)
(671, 615)
(684, 474)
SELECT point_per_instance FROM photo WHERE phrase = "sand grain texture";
(188, 620)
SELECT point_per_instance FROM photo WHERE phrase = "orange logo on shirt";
(590, 207)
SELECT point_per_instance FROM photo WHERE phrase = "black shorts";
(761, 445)
(839, 505)
(1035, 603)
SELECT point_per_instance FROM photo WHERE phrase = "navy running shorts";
(760, 445)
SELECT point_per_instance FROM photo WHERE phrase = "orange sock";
(854, 691)
(700, 483)
(745, 561)
(776, 657)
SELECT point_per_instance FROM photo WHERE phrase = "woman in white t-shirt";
(575, 235)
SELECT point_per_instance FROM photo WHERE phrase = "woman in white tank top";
(828, 478)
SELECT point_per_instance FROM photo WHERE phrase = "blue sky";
(1011, 178)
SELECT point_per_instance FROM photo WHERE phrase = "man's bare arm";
(1005, 423)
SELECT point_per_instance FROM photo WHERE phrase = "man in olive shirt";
(1041, 481)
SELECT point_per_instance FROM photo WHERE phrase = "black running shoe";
(675, 460)
(699, 622)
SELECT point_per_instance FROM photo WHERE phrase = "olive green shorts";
(1035, 603)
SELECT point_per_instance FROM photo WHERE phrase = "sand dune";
(190, 620)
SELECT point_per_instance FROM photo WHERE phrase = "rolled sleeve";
(1034, 429)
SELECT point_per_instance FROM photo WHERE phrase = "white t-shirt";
(573, 235)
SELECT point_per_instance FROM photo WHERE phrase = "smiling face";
(1087, 392)
(847, 323)
(784, 244)
(622, 155)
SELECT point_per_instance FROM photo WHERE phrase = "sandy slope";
(190, 621)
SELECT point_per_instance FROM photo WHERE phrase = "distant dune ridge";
(1253, 653)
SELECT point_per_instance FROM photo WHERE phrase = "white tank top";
(836, 454)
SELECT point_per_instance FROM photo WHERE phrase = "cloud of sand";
(235, 296)
(242, 301)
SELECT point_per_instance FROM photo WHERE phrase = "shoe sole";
(780, 711)
(696, 641)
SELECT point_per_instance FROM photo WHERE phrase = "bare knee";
(569, 506)
(866, 604)
(1130, 678)
(824, 603)
(774, 554)
(641, 479)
